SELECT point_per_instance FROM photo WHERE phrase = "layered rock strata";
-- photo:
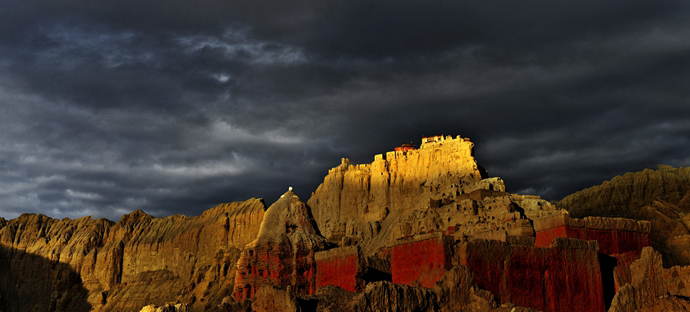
(127, 265)
(615, 235)
(624, 195)
(660, 196)
(436, 188)
(648, 290)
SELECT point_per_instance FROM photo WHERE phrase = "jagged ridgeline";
(98, 265)
(418, 229)
(625, 195)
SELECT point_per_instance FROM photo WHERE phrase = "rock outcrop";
(282, 254)
(29, 282)
(137, 261)
(522, 249)
(416, 230)
(660, 196)
(436, 188)
(624, 195)
(648, 290)
(180, 307)
(456, 291)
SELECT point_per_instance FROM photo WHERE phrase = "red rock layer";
(283, 252)
(610, 241)
(421, 262)
(340, 267)
(615, 235)
(275, 264)
(564, 277)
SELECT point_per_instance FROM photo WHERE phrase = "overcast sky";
(174, 106)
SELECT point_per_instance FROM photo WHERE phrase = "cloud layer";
(176, 106)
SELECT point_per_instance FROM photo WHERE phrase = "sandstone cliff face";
(137, 261)
(33, 283)
(437, 187)
(661, 196)
(399, 182)
(648, 290)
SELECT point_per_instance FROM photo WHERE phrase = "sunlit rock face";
(436, 188)
(99, 265)
(283, 253)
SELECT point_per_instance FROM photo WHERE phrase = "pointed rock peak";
(289, 193)
(290, 216)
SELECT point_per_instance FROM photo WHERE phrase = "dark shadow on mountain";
(607, 264)
(30, 282)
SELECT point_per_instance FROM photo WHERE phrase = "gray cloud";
(173, 107)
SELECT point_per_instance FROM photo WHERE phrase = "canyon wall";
(563, 277)
(137, 261)
(614, 235)
(422, 261)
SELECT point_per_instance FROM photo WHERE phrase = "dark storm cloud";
(173, 106)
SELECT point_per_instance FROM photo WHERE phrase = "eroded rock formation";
(127, 265)
(624, 195)
(660, 196)
(283, 252)
(416, 230)
(436, 188)
(648, 289)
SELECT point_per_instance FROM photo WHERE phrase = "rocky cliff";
(124, 266)
(649, 287)
(625, 195)
(407, 192)
(283, 252)
(355, 198)
(660, 196)
(416, 230)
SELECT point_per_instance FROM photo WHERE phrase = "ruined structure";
(405, 147)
